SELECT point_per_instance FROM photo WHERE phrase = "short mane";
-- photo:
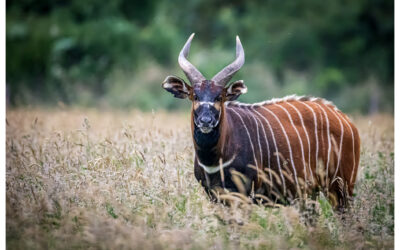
(288, 98)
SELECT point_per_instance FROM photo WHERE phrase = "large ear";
(235, 89)
(177, 87)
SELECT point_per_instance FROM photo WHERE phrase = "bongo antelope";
(273, 147)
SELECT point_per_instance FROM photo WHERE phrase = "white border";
(3, 131)
(2, 125)
(396, 117)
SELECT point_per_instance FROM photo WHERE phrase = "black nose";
(205, 119)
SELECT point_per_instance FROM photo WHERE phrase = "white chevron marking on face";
(207, 103)
(215, 169)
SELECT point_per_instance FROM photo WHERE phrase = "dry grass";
(109, 180)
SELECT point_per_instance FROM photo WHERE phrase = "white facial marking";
(206, 103)
(206, 130)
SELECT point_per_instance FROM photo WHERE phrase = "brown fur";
(258, 130)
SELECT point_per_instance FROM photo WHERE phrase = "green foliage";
(110, 211)
(84, 52)
(379, 176)
(326, 207)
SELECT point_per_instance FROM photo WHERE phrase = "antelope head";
(207, 96)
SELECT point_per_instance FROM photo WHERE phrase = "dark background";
(115, 54)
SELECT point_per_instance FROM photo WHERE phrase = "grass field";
(111, 180)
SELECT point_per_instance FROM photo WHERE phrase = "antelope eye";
(195, 97)
(218, 99)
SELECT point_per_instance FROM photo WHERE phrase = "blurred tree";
(76, 51)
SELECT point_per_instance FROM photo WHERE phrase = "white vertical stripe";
(308, 138)
(266, 141)
(354, 158)
(258, 137)
(276, 148)
(341, 141)
(298, 136)
(248, 134)
(352, 138)
(321, 118)
(288, 142)
(316, 134)
(329, 139)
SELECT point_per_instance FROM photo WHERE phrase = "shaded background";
(115, 54)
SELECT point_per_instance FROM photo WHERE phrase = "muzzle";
(207, 118)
